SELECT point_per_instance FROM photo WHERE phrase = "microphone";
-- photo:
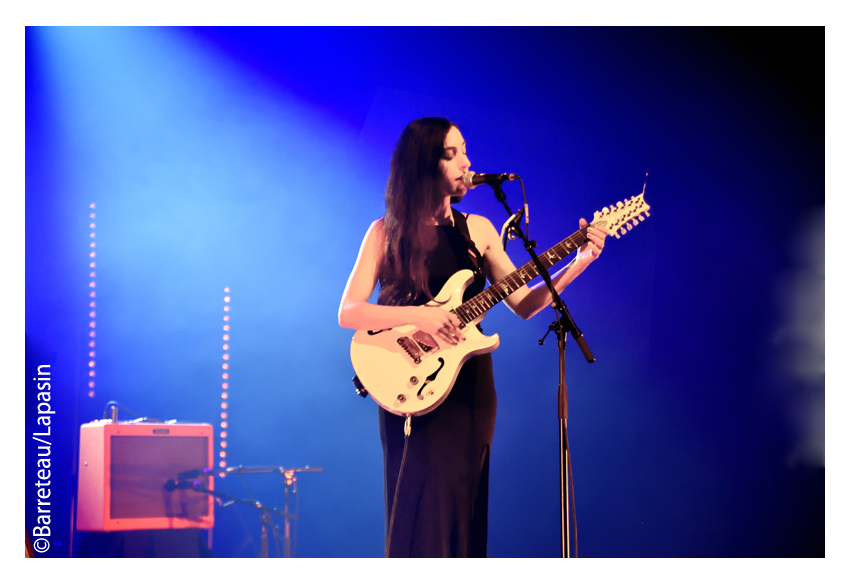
(473, 179)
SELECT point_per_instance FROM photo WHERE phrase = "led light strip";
(225, 385)
(92, 302)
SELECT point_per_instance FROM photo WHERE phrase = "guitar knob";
(401, 398)
(414, 380)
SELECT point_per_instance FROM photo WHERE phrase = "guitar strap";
(460, 223)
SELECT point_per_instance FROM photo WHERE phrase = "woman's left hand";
(593, 247)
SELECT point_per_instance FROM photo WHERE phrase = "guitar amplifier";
(129, 476)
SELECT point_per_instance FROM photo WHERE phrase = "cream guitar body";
(409, 372)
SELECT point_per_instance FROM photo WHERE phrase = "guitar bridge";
(411, 348)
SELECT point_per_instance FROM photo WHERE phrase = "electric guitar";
(409, 372)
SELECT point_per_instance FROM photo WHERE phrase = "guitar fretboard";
(490, 297)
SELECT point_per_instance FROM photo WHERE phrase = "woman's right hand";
(439, 323)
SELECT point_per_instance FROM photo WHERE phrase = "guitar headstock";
(622, 216)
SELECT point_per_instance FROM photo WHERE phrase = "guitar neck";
(484, 301)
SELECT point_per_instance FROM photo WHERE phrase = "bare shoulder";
(479, 223)
(481, 231)
(376, 232)
(377, 225)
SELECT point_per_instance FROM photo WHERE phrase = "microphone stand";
(265, 516)
(561, 327)
(289, 480)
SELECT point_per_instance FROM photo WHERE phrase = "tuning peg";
(617, 235)
(622, 231)
(629, 226)
(646, 213)
(641, 217)
(635, 222)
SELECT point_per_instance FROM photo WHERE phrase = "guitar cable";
(398, 484)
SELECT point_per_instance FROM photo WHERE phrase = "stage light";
(92, 314)
(224, 395)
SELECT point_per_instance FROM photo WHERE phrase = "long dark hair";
(412, 198)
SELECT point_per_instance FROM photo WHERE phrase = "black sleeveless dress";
(442, 500)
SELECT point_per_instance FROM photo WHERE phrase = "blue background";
(255, 159)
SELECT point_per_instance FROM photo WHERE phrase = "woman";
(441, 509)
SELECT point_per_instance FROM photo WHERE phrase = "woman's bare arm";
(356, 312)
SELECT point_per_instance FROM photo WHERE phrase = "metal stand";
(561, 326)
(266, 523)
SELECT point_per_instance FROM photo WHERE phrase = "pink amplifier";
(142, 476)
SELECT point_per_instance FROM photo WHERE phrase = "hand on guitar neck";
(588, 252)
